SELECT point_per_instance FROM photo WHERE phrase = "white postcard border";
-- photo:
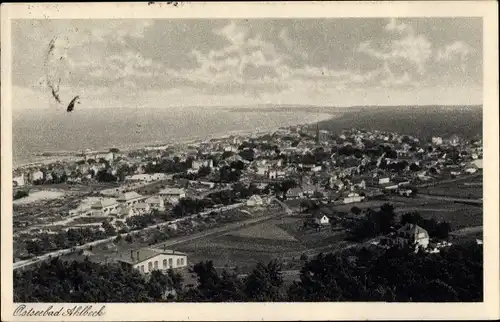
(271, 311)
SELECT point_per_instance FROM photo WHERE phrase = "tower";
(317, 133)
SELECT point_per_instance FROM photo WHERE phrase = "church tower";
(317, 133)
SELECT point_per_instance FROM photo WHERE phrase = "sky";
(201, 62)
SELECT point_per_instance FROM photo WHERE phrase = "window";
(164, 263)
(170, 262)
(142, 268)
(178, 261)
(182, 261)
(156, 264)
(150, 266)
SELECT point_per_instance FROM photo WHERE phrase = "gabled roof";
(153, 200)
(103, 203)
(129, 196)
(143, 254)
(141, 205)
(412, 229)
(172, 191)
(294, 191)
(319, 215)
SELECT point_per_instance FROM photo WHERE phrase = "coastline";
(76, 155)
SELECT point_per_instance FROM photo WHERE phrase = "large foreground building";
(147, 260)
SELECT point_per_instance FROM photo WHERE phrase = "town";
(239, 200)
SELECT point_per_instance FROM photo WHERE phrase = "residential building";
(254, 201)
(336, 184)
(409, 234)
(478, 164)
(18, 181)
(172, 195)
(37, 176)
(436, 140)
(321, 219)
(147, 177)
(308, 190)
(384, 180)
(130, 198)
(142, 208)
(146, 260)
(294, 193)
(197, 164)
(103, 207)
(352, 198)
(156, 202)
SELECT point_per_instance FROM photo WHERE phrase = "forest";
(395, 275)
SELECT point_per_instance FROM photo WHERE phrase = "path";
(226, 228)
(66, 251)
(448, 198)
(169, 243)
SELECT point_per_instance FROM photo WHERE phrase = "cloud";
(408, 47)
(246, 63)
(395, 26)
(456, 50)
(259, 60)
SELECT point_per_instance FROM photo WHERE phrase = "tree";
(414, 167)
(411, 218)
(386, 217)
(128, 238)
(264, 283)
(355, 210)
(247, 154)
(367, 274)
(122, 171)
(118, 239)
(104, 175)
(108, 228)
(227, 154)
(204, 171)
(21, 194)
(318, 194)
(442, 230)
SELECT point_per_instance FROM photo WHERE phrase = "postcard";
(167, 161)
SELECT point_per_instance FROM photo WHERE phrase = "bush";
(21, 194)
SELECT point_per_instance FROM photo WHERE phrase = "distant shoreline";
(76, 154)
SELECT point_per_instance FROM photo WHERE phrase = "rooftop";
(172, 191)
(129, 196)
(105, 202)
(139, 255)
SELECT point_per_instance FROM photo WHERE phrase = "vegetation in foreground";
(395, 275)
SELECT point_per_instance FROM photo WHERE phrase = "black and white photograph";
(206, 160)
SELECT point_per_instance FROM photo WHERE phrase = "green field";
(470, 188)
(264, 231)
(465, 217)
(280, 239)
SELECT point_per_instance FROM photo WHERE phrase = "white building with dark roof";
(172, 195)
(147, 260)
(156, 202)
(104, 207)
(130, 198)
(408, 235)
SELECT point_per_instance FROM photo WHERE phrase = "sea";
(38, 131)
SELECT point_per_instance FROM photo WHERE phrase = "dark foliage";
(395, 275)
